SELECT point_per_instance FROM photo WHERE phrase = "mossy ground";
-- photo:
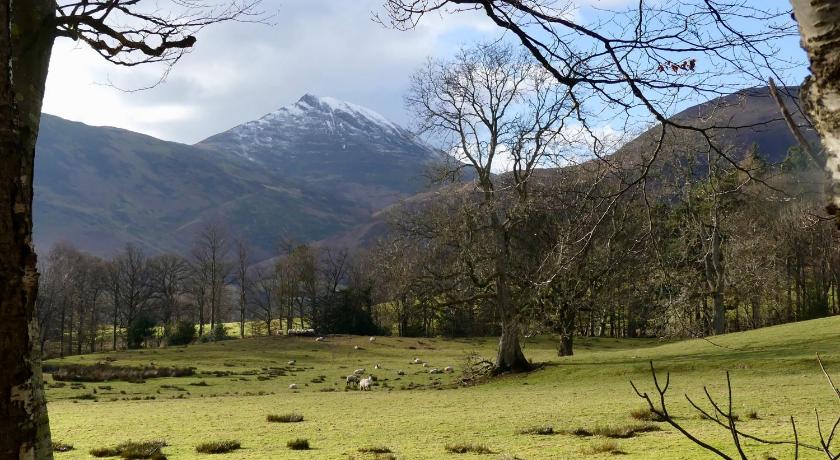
(773, 370)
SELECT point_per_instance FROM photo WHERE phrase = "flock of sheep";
(366, 383)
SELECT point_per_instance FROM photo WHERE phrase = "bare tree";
(494, 104)
(242, 279)
(210, 260)
(168, 277)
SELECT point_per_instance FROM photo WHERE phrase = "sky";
(240, 71)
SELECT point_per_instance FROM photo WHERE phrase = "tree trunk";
(510, 357)
(567, 331)
(26, 39)
(818, 25)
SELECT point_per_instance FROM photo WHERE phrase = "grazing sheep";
(365, 384)
(292, 362)
(377, 366)
(359, 371)
(417, 361)
(400, 372)
(448, 369)
(293, 386)
(425, 364)
(372, 339)
(352, 379)
(319, 339)
(356, 347)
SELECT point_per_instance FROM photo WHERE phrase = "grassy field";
(240, 382)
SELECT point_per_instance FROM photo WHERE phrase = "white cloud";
(238, 72)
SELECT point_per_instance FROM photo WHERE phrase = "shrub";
(285, 418)
(139, 331)
(607, 447)
(59, 446)
(467, 448)
(540, 429)
(375, 450)
(182, 334)
(217, 447)
(298, 444)
(219, 332)
(104, 452)
(752, 415)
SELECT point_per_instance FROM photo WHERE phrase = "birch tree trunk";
(26, 38)
(819, 26)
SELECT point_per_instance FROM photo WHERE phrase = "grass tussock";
(606, 447)
(217, 447)
(467, 448)
(285, 418)
(375, 450)
(752, 415)
(103, 372)
(614, 431)
(539, 429)
(149, 450)
(59, 446)
(644, 414)
(298, 444)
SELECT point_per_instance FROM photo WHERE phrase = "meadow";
(239, 383)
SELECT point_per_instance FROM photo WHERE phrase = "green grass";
(774, 373)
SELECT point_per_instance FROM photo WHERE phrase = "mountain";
(304, 172)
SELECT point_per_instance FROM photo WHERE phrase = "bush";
(467, 448)
(182, 334)
(217, 447)
(139, 331)
(298, 444)
(285, 418)
(219, 333)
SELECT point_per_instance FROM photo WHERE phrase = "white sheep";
(293, 386)
(359, 371)
(319, 339)
(372, 339)
(352, 378)
(377, 366)
(356, 347)
(292, 362)
(365, 383)
(400, 372)
(434, 370)
(448, 369)
(417, 361)
(425, 364)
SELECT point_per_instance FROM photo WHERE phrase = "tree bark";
(510, 357)
(26, 38)
(819, 27)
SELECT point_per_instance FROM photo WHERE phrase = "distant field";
(774, 373)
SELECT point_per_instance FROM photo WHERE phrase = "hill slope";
(303, 173)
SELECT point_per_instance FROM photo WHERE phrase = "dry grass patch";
(606, 447)
(375, 450)
(614, 431)
(644, 414)
(539, 429)
(149, 450)
(59, 446)
(467, 448)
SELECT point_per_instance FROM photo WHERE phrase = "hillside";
(774, 374)
(302, 173)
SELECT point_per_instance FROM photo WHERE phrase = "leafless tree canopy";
(636, 65)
